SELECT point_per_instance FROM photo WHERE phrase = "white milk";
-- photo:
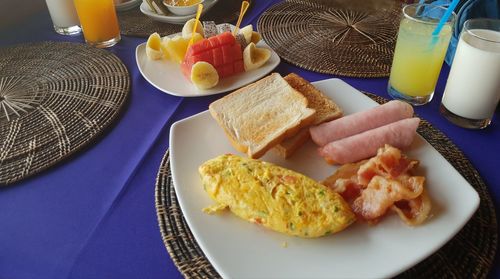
(473, 87)
(63, 13)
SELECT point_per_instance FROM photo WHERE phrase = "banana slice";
(247, 33)
(254, 57)
(204, 75)
(153, 47)
(187, 29)
(163, 47)
(256, 37)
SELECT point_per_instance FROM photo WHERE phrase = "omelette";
(275, 197)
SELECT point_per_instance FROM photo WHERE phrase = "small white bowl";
(182, 10)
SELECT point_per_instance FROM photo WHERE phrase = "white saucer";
(171, 18)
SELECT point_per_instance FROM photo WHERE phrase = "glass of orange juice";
(99, 22)
(419, 54)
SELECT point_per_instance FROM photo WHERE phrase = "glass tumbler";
(99, 22)
(473, 88)
(419, 55)
(64, 17)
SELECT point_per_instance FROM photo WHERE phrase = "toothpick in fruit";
(244, 7)
(198, 14)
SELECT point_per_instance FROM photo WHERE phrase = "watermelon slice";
(222, 51)
(217, 55)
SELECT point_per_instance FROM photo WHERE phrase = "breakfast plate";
(239, 249)
(172, 18)
(167, 75)
(127, 5)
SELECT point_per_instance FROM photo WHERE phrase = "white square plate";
(239, 249)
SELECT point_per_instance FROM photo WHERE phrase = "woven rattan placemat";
(468, 255)
(55, 98)
(135, 23)
(334, 36)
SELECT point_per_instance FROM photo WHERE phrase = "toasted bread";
(326, 110)
(260, 115)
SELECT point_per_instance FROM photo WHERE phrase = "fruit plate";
(171, 18)
(167, 75)
(240, 249)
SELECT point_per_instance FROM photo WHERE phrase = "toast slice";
(260, 115)
(326, 110)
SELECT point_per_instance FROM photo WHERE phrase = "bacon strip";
(381, 193)
(383, 183)
(414, 212)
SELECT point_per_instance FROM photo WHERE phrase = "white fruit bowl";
(182, 10)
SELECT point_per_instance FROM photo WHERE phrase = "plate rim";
(127, 5)
(475, 198)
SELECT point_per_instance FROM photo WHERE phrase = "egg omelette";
(275, 197)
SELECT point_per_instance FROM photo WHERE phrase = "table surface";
(93, 216)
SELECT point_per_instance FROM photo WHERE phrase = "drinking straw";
(445, 17)
(244, 7)
(198, 14)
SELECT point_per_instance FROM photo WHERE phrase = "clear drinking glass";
(419, 55)
(99, 22)
(64, 17)
(473, 88)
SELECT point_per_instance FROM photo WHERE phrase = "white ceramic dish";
(174, 19)
(167, 75)
(182, 10)
(239, 249)
(129, 5)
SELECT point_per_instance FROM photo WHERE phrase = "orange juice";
(99, 22)
(419, 53)
(417, 59)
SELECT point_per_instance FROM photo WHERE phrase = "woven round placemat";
(135, 23)
(469, 254)
(55, 98)
(334, 36)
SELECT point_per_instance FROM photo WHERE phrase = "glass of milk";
(473, 88)
(64, 17)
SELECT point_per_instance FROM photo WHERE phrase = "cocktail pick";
(195, 26)
(244, 8)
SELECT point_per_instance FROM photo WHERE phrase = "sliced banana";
(187, 29)
(163, 47)
(254, 57)
(204, 75)
(256, 37)
(247, 33)
(153, 47)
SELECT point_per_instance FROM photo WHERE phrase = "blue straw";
(445, 17)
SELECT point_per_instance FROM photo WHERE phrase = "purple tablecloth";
(93, 216)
